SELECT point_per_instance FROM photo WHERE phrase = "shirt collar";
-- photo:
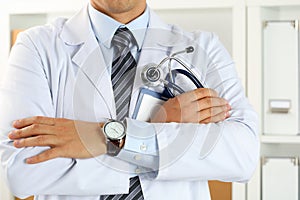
(105, 27)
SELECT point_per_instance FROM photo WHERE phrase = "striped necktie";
(123, 71)
(122, 77)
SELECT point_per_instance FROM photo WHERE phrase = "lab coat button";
(137, 157)
(143, 147)
(137, 170)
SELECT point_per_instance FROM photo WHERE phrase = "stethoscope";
(153, 76)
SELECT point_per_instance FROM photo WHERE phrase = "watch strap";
(112, 149)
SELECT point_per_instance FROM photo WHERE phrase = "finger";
(215, 119)
(32, 130)
(207, 103)
(40, 140)
(21, 123)
(44, 156)
(197, 94)
(212, 112)
(205, 92)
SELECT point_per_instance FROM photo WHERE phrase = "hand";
(66, 138)
(202, 105)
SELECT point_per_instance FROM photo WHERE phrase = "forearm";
(225, 151)
(60, 176)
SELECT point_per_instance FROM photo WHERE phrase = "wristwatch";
(115, 132)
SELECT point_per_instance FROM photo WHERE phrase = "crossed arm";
(78, 139)
(232, 157)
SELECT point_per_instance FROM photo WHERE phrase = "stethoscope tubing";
(175, 72)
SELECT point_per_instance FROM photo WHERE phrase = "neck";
(123, 16)
(126, 18)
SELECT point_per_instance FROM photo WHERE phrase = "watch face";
(114, 130)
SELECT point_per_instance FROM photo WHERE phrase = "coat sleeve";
(226, 151)
(26, 92)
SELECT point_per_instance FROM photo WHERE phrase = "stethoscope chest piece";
(151, 75)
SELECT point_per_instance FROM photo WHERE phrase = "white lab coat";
(53, 71)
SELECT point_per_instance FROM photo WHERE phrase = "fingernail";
(17, 143)
(227, 114)
(12, 134)
(228, 107)
(16, 123)
(29, 160)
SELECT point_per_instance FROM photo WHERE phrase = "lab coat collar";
(78, 31)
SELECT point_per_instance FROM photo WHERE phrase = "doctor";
(60, 90)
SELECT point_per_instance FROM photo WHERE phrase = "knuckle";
(200, 92)
(18, 133)
(208, 101)
(38, 158)
(23, 143)
(208, 92)
(223, 102)
(35, 127)
(62, 129)
(37, 119)
(47, 154)
(41, 139)
(175, 100)
(211, 112)
(61, 121)
(58, 120)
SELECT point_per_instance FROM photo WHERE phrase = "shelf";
(272, 2)
(183, 4)
(35, 6)
(280, 139)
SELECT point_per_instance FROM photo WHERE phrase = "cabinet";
(271, 145)
(190, 14)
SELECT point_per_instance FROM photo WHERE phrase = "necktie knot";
(123, 38)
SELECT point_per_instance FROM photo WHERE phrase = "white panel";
(202, 19)
(239, 42)
(280, 179)
(281, 77)
(4, 41)
(174, 4)
(24, 21)
(254, 84)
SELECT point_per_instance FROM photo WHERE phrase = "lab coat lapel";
(88, 57)
(159, 42)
